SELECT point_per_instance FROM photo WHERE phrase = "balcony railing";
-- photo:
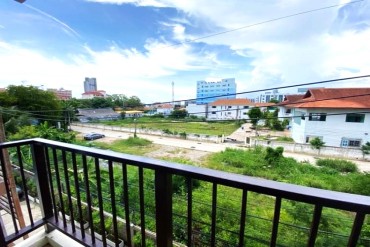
(139, 200)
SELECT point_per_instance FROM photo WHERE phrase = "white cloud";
(153, 3)
(117, 70)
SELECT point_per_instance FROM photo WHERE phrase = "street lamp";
(135, 128)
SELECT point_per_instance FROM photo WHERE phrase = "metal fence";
(77, 186)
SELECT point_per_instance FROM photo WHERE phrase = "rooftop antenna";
(173, 93)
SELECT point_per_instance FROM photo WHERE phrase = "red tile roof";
(221, 102)
(264, 104)
(355, 98)
(95, 93)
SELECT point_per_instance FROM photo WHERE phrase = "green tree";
(255, 115)
(178, 114)
(41, 105)
(317, 143)
(133, 103)
(365, 149)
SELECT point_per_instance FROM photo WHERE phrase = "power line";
(245, 92)
(263, 22)
(269, 89)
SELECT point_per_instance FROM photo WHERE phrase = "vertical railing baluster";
(7, 188)
(356, 229)
(189, 183)
(61, 204)
(88, 197)
(214, 212)
(315, 225)
(100, 201)
(43, 187)
(163, 202)
(78, 196)
(68, 189)
(48, 165)
(126, 203)
(275, 224)
(142, 206)
(242, 218)
(24, 184)
(113, 201)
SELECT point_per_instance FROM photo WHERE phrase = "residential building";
(197, 110)
(208, 92)
(94, 94)
(86, 115)
(164, 109)
(268, 96)
(285, 107)
(61, 93)
(90, 85)
(224, 109)
(133, 114)
(338, 116)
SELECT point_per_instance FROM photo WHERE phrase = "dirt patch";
(163, 151)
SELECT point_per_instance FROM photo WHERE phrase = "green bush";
(273, 155)
(338, 165)
(137, 141)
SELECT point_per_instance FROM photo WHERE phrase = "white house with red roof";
(94, 94)
(338, 116)
(164, 109)
(227, 109)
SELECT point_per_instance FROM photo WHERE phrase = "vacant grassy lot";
(190, 127)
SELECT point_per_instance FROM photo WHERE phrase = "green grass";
(338, 165)
(284, 139)
(253, 163)
(136, 146)
(178, 126)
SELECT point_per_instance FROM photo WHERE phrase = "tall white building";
(208, 92)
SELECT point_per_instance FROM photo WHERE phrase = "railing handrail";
(326, 198)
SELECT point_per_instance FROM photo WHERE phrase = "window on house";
(244, 113)
(349, 142)
(229, 106)
(303, 117)
(288, 111)
(213, 112)
(355, 118)
(229, 113)
(317, 117)
(213, 106)
(245, 107)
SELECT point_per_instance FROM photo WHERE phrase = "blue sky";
(130, 45)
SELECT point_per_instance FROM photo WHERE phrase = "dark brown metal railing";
(67, 185)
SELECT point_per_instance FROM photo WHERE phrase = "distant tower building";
(90, 84)
(207, 92)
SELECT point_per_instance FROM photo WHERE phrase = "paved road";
(203, 146)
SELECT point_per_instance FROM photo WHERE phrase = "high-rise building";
(208, 92)
(90, 84)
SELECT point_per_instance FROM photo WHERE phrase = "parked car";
(93, 136)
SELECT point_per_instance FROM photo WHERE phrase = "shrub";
(273, 155)
(338, 165)
(183, 135)
(132, 141)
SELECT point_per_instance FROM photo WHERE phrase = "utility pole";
(10, 178)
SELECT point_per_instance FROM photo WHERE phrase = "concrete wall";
(333, 152)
